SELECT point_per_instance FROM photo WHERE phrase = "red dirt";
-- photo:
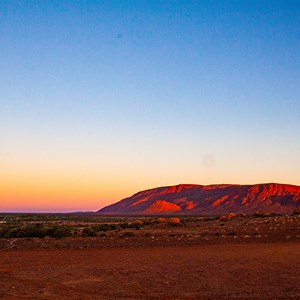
(242, 258)
(252, 271)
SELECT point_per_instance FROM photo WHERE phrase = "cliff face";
(210, 200)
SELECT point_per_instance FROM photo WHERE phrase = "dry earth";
(249, 271)
(243, 258)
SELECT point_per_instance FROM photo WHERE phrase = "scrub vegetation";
(59, 226)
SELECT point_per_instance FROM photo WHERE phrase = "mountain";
(192, 199)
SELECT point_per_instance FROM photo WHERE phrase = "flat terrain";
(252, 271)
(242, 258)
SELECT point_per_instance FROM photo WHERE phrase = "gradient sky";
(101, 99)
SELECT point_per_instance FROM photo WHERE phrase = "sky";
(102, 99)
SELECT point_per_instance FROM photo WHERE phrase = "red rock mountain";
(209, 200)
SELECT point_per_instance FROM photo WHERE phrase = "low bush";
(296, 211)
(161, 220)
(147, 221)
(27, 231)
(59, 231)
(103, 227)
(174, 221)
(35, 231)
(88, 231)
(137, 224)
(261, 214)
(124, 225)
(227, 217)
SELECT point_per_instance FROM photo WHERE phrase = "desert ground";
(151, 258)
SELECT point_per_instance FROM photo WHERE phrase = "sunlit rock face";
(188, 199)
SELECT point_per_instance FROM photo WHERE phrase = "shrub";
(103, 227)
(59, 231)
(189, 219)
(35, 231)
(174, 221)
(227, 217)
(161, 220)
(24, 231)
(88, 231)
(124, 225)
(296, 211)
(137, 224)
(261, 214)
(147, 222)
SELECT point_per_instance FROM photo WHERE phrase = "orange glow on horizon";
(58, 193)
(65, 190)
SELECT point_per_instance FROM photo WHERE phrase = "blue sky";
(137, 94)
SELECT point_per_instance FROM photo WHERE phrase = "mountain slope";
(210, 200)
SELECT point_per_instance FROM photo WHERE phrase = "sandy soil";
(241, 271)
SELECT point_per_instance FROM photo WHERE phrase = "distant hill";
(191, 199)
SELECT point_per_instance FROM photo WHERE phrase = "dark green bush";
(124, 225)
(89, 231)
(35, 230)
(59, 231)
(136, 224)
(104, 227)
